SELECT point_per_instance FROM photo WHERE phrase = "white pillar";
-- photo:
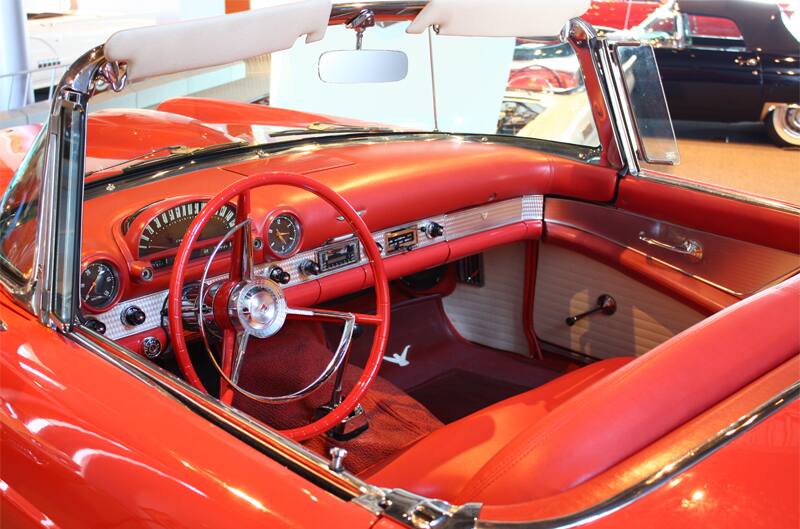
(14, 92)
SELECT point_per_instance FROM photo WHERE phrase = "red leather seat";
(463, 447)
(554, 437)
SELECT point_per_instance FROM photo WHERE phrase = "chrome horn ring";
(257, 307)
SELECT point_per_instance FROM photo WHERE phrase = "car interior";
(524, 309)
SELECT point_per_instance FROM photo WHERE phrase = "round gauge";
(99, 285)
(283, 235)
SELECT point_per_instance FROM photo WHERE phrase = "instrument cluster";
(149, 239)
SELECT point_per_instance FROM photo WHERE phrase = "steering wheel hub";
(258, 308)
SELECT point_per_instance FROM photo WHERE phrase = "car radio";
(343, 254)
(402, 239)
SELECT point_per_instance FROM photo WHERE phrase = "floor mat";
(292, 359)
(429, 358)
(457, 393)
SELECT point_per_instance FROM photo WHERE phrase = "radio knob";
(279, 275)
(134, 316)
(434, 230)
(310, 268)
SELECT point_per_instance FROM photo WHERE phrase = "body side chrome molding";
(662, 476)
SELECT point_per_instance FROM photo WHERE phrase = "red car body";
(539, 78)
(98, 436)
(620, 14)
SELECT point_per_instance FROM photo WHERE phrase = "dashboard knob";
(279, 275)
(96, 325)
(433, 230)
(133, 315)
(151, 347)
(310, 268)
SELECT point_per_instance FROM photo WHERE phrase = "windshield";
(486, 86)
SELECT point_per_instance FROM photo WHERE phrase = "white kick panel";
(569, 283)
(492, 315)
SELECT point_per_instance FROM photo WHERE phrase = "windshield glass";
(18, 211)
(486, 86)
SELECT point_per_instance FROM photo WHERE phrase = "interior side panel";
(491, 315)
(569, 283)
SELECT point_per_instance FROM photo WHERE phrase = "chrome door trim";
(662, 476)
(624, 229)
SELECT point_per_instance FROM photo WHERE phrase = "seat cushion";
(442, 463)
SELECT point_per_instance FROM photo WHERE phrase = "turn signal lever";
(605, 304)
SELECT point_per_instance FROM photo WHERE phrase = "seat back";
(644, 400)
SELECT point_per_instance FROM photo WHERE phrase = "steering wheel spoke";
(242, 255)
(239, 348)
(333, 316)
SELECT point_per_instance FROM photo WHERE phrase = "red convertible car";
(221, 314)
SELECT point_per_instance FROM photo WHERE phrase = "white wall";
(164, 10)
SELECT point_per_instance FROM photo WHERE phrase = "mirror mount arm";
(365, 19)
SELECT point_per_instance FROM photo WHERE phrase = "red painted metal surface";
(85, 444)
(620, 14)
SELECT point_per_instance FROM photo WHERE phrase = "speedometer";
(166, 230)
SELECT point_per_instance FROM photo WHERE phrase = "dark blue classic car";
(728, 61)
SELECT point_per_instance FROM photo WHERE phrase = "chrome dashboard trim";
(456, 225)
(662, 476)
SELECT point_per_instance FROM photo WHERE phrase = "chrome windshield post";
(57, 260)
(589, 48)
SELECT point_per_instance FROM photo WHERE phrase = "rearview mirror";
(363, 66)
(641, 84)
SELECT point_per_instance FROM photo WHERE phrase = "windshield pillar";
(583, 39)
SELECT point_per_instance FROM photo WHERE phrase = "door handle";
(605, 304)
(689, 247)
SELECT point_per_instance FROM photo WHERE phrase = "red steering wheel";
(245, 305)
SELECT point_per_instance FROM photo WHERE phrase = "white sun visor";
(498, 18)
(214, 41)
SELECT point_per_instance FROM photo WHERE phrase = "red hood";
(121, 134)
(14, 143)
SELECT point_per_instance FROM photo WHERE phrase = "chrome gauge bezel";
(110, 299)
(298, 227)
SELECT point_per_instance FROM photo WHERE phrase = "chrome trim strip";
(717, 192)
(662, 476)
(756, 266)
(650, 258)
(456, 225)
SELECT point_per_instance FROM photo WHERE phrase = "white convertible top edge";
(498, 18)
(213, 41)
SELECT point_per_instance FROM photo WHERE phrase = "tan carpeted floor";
(738, 156)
